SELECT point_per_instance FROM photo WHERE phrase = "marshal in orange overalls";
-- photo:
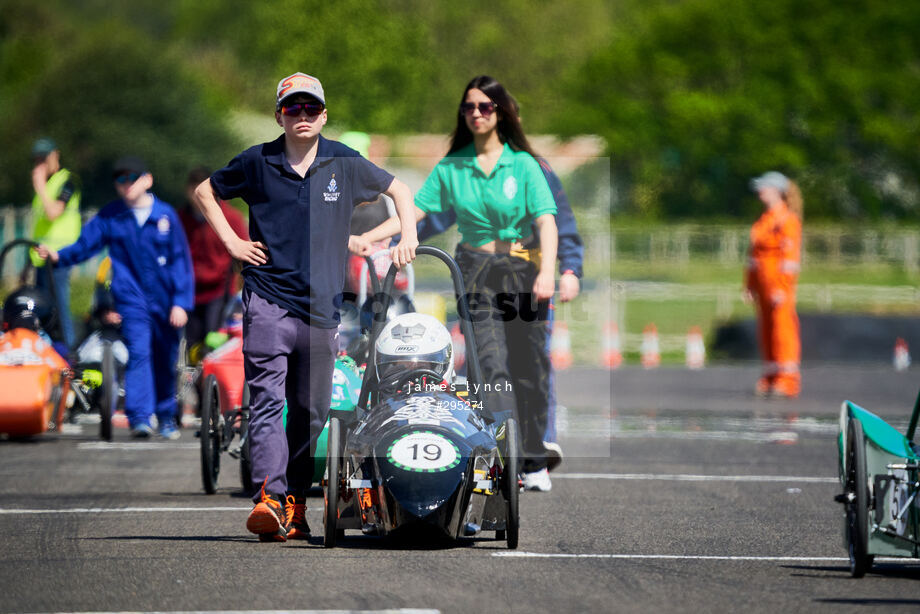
(771, 276)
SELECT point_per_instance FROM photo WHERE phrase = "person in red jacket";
(770, 279)
(215, 282)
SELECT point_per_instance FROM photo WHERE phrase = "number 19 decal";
(424, 451)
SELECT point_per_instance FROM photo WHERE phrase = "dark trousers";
(285, 358)
(510, 328)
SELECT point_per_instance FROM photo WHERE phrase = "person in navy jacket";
(152, 286)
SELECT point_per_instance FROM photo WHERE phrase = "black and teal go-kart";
(413, 454)
(880, 474)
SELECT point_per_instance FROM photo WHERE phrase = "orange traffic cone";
(650, 352)
(459, 343)
(901, 355)
(612, 356)
(560, 346)
(696, 350)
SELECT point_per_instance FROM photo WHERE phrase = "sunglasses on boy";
(294, 109)
(485, 108)
(127, 178)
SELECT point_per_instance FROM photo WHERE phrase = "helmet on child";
(27, 308)
(412, 341)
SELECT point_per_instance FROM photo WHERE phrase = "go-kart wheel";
(108, 397)
(858, 510)
(510, 483)
(245, 454)
(333, 461)
(210, 435)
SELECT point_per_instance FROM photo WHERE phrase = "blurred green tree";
(103, 89)
(692, 97)
(695, 97)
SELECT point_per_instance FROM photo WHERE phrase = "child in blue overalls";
(152, 286)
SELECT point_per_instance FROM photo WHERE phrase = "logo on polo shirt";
(332, 193)
(510, 188)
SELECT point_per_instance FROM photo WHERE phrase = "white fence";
(727, 245)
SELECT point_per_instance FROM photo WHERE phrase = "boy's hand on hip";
(251, 252)
(177, 317)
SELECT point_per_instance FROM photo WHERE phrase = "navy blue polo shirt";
(303, 221)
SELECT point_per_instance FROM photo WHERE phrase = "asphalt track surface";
(680, 492)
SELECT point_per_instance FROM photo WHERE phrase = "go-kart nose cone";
(423, 472)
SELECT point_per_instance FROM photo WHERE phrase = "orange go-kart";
(36, 380)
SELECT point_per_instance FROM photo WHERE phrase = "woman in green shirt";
(491, 178)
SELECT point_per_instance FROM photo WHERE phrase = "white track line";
(135, 510)
(388, 611)
(690, 557)
(136, 446)
(680, 477)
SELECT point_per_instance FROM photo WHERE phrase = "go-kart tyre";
(246, 454)
(333, 462)
(210, 435)
(246, 447)
(857, 512)
(108, 397)
(510, 483)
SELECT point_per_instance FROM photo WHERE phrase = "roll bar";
(474, 371)
(369, 265)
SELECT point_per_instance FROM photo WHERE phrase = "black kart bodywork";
(420, 451)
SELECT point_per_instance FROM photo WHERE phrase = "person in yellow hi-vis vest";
(56, 223)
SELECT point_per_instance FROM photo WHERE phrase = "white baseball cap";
(771, 179)
(299, 83)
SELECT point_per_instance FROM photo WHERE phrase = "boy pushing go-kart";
(301, 190)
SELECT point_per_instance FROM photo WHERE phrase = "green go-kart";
(879, 470)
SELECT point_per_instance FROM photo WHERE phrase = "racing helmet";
(27, 308)
(413, 341)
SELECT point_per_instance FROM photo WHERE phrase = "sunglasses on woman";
(485, 108)
(310, 108)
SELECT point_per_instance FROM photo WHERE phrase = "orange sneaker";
(299, 527)
(270, 519)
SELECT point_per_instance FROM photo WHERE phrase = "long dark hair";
(509, 125)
